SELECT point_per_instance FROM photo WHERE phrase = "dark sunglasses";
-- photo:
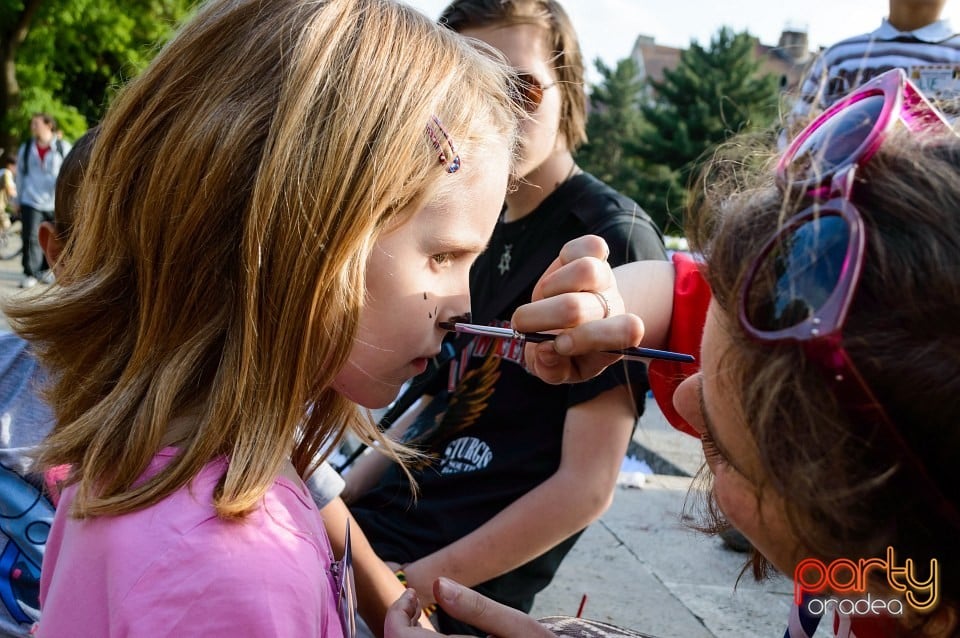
(801, 285)
(527, 91)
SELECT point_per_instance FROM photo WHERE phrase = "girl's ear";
(49, 242)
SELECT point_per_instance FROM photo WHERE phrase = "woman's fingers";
(402, 618)
(578, 354)
(585, 274)
(465, 605)
(614, 333)
(476, 609)
(589, 253)
(576, 291)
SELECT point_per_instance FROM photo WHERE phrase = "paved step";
(641, 567)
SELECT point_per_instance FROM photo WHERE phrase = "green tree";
(66, 57)
(712, 94)
(613, 128)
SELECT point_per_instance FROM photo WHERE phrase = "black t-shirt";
(494, 431)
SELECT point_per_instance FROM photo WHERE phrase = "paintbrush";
(539, 337)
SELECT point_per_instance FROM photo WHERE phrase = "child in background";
(825, 312)
(28, 510)
(212, 332)
(38, 164)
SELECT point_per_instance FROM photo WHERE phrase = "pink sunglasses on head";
(801, 284)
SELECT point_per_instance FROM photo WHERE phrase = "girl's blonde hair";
(218, 265)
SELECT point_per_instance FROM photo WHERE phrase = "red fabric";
(691, 297)
(42, 151)
(872, 626)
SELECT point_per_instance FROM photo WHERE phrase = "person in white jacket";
(39, 162)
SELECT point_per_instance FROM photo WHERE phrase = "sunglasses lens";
(836, 140)
(798, 276)
(529, 92)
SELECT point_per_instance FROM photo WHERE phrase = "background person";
(913, 37)
(39, 164)
(8, 189)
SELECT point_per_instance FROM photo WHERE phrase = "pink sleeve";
(691, 298)
(53, 479)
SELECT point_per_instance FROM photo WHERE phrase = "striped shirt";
(930, 56)
(803, 624)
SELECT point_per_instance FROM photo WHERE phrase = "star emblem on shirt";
(504, 265)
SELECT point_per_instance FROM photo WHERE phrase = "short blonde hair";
(218, 264)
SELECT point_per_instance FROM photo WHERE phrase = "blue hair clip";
(452, 165)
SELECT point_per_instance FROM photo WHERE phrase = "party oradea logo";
(842, 586)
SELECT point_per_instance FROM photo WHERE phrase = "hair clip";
(452, 165)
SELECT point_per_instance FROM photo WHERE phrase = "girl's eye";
(442, 258)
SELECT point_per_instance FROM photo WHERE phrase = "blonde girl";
(276, 214)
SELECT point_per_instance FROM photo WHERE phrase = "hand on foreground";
(577, 295)
(463, 604)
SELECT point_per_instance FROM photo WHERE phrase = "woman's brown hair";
(849, 493)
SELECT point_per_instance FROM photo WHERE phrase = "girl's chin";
(374, 396)
(419, 365)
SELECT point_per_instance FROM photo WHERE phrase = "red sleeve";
(691, 297)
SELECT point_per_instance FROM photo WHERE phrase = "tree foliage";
(73, 54)
(712, 94)
(648, 139)
(614, 128)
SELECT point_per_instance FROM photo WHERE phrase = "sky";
(608, 28)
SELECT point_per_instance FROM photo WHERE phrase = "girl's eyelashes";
(710, 449)
(445, 258)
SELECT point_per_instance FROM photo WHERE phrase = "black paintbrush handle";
(640, 353)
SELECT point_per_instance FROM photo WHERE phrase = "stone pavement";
(639, 566)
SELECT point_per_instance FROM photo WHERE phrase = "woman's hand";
(577, 295)
(465, 605)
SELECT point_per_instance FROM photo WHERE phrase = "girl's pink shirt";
(176, 569)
